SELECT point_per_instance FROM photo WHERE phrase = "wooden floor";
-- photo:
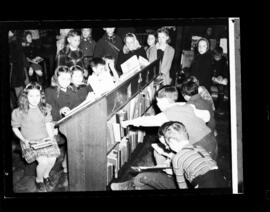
(24, 174)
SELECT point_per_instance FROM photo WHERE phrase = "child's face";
(130, 42)
(74, 41)
(64, 79)
(77, 78)
(162, 38)
(109, 31)
(33, 97)
(29, 38)
(202, 47)
(151, 40)
(99, 69)
(86, 32)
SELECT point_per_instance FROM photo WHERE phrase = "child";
(71, 54)
(31, 122)
(151, 50)
(62, 98)
(201, 66)
(83, 91)
(101, 80)
(132, 47)
(35, 71)
(191, 163)
(193, 119)
(202, 91)
(166, 53)
(87, 44)
(220, 77)
(190, 92)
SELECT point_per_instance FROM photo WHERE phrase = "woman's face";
(34, 97)
(77, 77)
(162, 38)
(64, 79)
(202, 46)
(151, 40)
(29, 38)
(130, 42)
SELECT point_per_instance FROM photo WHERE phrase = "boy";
(87, 44)
(193, 119)
(190, 163)
(190, 92)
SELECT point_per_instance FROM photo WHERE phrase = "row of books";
(121, 142)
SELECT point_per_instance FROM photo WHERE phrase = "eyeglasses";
(32, 86)
(75, 67)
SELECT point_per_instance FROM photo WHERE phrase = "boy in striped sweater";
(190, 163)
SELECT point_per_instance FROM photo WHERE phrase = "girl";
(132, 47)
(34, 68)
(166, 53)
(202, 67)
(31, 123)
(151, 50)
(83, 91)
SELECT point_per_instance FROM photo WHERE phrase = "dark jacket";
(105, 46)
(17, 62)
(87, 47)
(221, 68)
(69, 58)
(124, 57)
(202, 69)
(81, 92)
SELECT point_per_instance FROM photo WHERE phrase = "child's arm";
(50, 130)
(18, 133)
(147, 121)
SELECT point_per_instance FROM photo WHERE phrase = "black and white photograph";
(124, 105)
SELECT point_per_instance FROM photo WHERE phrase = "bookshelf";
(97, 147)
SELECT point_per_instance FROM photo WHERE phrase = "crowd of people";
(86, 69)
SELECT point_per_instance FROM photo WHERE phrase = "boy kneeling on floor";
(190, 163)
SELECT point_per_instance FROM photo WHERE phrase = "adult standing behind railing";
(166, 53)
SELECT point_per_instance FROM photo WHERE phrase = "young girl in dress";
(32, 123)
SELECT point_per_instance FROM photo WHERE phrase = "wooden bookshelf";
(86, 131)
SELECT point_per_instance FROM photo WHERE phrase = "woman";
(166, 54)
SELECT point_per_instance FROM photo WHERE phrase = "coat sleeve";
(99, 49)
(50, 99)
(167, 60)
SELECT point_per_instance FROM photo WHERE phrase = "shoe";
(127, 185)
(41, 187)
(48, 184)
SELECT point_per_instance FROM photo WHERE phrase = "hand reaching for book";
(64, 111)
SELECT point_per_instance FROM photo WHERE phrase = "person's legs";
(41, 168)
(51, 162)
(154, 180)
(209, 143)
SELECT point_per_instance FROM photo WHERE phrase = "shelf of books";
(97, 145)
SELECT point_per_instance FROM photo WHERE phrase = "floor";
(24, 174)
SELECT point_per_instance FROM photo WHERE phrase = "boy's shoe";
(48, 184)
(127, 185)
(41, 187)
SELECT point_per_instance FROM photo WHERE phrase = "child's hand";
(90, 97)
(64, 111)
(31, 71)
(39, 72)
(26, 143)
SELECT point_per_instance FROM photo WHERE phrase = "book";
(131, 65)
(148, 168)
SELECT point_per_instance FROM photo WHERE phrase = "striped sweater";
(191, 162)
